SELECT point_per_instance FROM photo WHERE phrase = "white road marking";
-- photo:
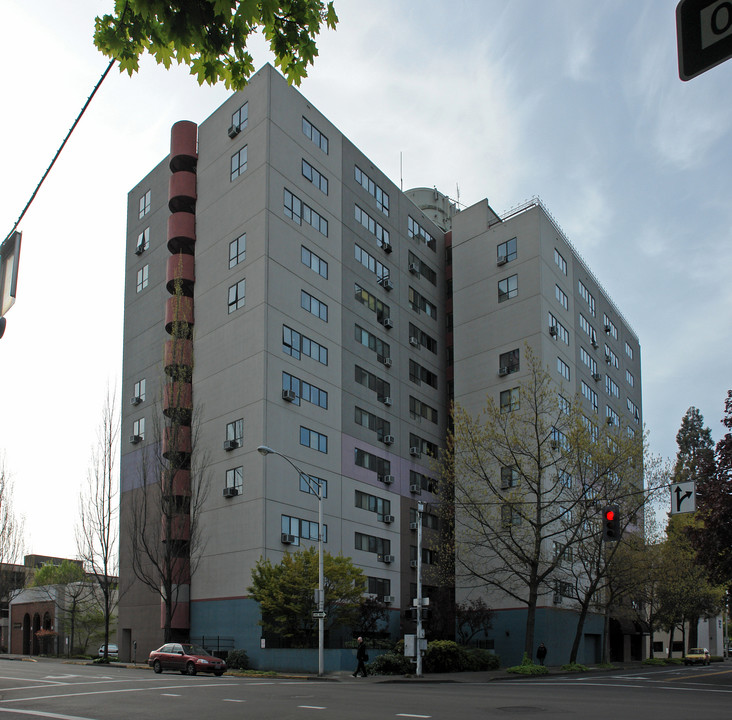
(312, 707)
(38, 713)
(232, 700)
(410, 715)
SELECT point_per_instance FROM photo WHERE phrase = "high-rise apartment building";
(282, 291)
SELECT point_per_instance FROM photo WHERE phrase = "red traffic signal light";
(610, 523)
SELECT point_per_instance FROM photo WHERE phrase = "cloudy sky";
(575, 101)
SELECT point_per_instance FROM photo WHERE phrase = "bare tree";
(96, 531)
(510, 471)
(12, 541)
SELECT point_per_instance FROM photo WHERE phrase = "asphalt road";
(53, 689)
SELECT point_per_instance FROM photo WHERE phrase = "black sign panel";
(704, 35)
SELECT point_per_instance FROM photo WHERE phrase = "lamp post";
(312, 484)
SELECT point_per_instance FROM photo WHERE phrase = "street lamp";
(317, 486)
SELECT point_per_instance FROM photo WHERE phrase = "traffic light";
(611, 523)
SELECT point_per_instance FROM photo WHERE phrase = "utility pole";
(420, 630)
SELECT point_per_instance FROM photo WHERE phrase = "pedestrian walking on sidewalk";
(362, 657)
(541, 653)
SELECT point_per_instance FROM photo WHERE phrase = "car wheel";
(191, 668)
(157, 667)
(218, 673)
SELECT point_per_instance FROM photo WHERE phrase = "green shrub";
(480, 659)
(390, 663)
(527, 667)
(654, 661)
(237, 660)
(575, 667)
(445, 656)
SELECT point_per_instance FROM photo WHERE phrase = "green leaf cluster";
(210, 36)
(64, 574)
(285, 593)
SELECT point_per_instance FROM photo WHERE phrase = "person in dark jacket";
(541, 653)
(362, 657)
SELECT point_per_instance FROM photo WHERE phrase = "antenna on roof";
(401, 172)
(457, 189)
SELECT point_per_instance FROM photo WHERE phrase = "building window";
(589, 394)
(560, 332)
(565, 479)
(507, 288)
(419, 303)
(371, 544)
(422, 269)
(373, 382)
(373, 504)
(297, 211)
(611, 387)
(629, 378)
(508, 362)
(628, 350)
(312, 487)
(313, 306)
(302, 529)
(382, 199)
(423, 482)
(587, 296)
(561, 263)
(304, 391)
(588, 360)
(563, 368)
(372, 422)
(238, 163)
(142, 278)
(429, 556)
(143, 241)
(240, 118)
(609, 326)
(315, 177)
(510, 400)
(507, 251)
(369, 340)
(237, 250)
(561, 296)
(363, 296)
(312, 439)
(564, 404)
(145, 204)
(139, 390)
(296, 344)
(419, 375)
(419, 410)
(138, 428)
(235, 478)
(312, 133)
(509, 477)
(423, 446)
(315, 263)
(378, 586)
(368, 461)
(588, 329)
(237, 296)
(376, 229)
(591, 428)
(422, 339)
(415, 230)
(510, 515)
(235, 432)
(612, 417)
(371, 263)
(429, 520)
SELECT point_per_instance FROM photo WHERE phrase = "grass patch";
(254, 673)
(527, 667)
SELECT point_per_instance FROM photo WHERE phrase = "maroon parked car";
(187, 659)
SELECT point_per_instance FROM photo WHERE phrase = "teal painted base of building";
(554, 627)
(232, 624)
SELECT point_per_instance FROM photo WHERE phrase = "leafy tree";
(286, 598)
(210, 36)
(96, 531)
(75, 597)
(713, 537)
(373, 616)
(695, 456)
(685, 591)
